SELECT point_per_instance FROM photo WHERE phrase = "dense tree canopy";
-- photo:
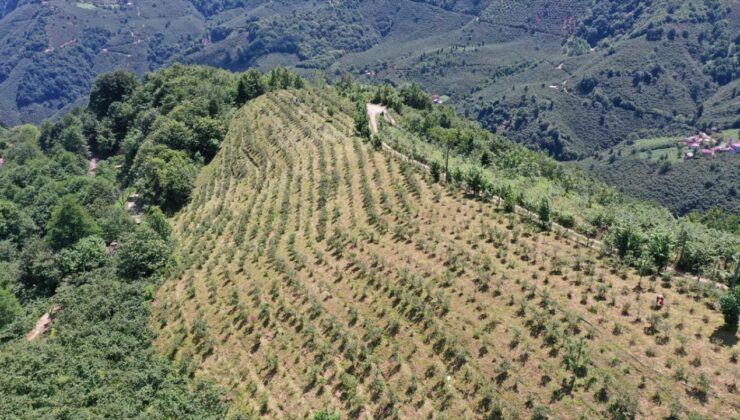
(251, 85)
(87, 254)
(414, 96)
(730, 306)
(9, 308)
(15, 224)
(69, 247)
(69, 223)
(110, 88)
(143, 253)
(164, 176)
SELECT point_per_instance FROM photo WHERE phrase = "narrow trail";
(135, 207)
(375, 110)
(92, 166)
(43, 325)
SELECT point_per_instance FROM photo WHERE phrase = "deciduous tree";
(70, 223)
(545, 213)
(730, 306)
(9, 308)
(660, 248)
(109, 88)
(251, 85)
(143, 254)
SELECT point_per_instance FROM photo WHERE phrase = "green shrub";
(143, 253)
(70, 223)
(9, 308)
(730, 307)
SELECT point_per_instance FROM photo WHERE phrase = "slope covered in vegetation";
(77, 274)
(89, 354)
(310, 271)
(319, 272)
(53, 50)
(567, 76)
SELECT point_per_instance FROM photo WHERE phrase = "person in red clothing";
(659, 301)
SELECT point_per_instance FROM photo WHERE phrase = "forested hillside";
(81, 260)
(53, 50)
(77, 278)
(572, 78)
(682, 186)
(566, 76)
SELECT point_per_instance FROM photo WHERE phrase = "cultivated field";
(319, 273)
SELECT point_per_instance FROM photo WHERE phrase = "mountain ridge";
(658, 68)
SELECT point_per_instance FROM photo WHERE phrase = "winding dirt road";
(373, 111)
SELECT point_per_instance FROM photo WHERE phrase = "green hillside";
(568, 76)
(74, 334)
(572, 78)
(54, 49)
(78, 272)
(206, 244)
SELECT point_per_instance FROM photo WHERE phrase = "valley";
(551, 75)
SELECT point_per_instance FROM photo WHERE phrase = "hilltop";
(321, 273)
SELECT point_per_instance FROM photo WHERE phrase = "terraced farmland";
(319, 273)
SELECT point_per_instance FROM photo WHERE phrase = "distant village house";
(702, 145)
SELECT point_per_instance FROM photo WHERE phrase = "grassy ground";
(656, 149)
(317, 273)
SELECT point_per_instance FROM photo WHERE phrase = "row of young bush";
(651, 248)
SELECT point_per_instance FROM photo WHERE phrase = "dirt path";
(43, 325)
(135, 207)
(373, 111)
(92, 165)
